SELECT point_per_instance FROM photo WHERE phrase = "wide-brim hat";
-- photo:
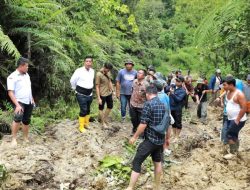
(129, 62)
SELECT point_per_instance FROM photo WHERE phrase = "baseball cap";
(200, 81)
(180, 78)
(218, 71)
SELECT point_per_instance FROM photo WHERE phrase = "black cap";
(180, 78)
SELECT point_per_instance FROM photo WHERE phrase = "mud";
(64, 158)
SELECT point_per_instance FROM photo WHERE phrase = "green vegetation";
(56, 35)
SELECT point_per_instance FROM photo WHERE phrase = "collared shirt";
(21, 85)
(103, 80)
(83, 78)
(152, 115)
(138, 97)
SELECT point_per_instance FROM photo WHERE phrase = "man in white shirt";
(82, 81)
(19, 91)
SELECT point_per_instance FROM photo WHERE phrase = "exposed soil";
(64, 156)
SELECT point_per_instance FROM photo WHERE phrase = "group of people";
(149, 97)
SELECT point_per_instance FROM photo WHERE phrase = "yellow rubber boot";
(87, 117)
(82, 121)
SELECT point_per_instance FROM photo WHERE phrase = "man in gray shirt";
(124, 82)
(246, 91)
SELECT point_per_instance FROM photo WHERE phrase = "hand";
(236, 121)
(132, 140)
(118, 95)
(99, 101)
(204, 92)
(171, 90)
(198, 102)
(18, 109)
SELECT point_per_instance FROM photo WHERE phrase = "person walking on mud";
(201, 91)
(19, 91)
(152, 115)
(236, 112)
(104, 92)
(176, 96)
(124, 81)
(138, 98)
(82, 81)
(214, 85)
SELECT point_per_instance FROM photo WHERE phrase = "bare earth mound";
(64, 156)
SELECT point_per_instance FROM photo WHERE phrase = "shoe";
(167, 152)
(123, 120)
(87, 117)
(229, 156)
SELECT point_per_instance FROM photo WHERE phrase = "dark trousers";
(135, 114)
(145, 149)
(25, 116)
(84, 103)
(177, 115)
(233, 129)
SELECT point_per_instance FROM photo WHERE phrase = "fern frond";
(7, 45)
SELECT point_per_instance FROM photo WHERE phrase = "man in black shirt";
(200, 92)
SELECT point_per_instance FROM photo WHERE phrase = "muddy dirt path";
(64, 156)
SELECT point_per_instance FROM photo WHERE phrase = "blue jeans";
(234, 129)
(224, 130)
(125, 99)
(84, 103)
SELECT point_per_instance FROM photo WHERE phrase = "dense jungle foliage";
(56, 35)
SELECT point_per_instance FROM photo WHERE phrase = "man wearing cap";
(138, 98)
(82, 81)
(200, 92)
(150, 73)
(215, 83)
(19, 91)
(124, 82)
(246, 91)
(176, 96)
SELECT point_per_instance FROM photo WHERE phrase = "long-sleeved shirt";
(176, 98)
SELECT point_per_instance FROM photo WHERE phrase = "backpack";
(165, 122)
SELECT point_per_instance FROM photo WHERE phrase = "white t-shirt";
(21, 85)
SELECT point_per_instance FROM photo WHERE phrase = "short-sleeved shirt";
(138, 97)
(126, 78)
(164, 99)
(20, 84)
(103, 80)
(152, 115)
(198, 91)
(83, 78)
